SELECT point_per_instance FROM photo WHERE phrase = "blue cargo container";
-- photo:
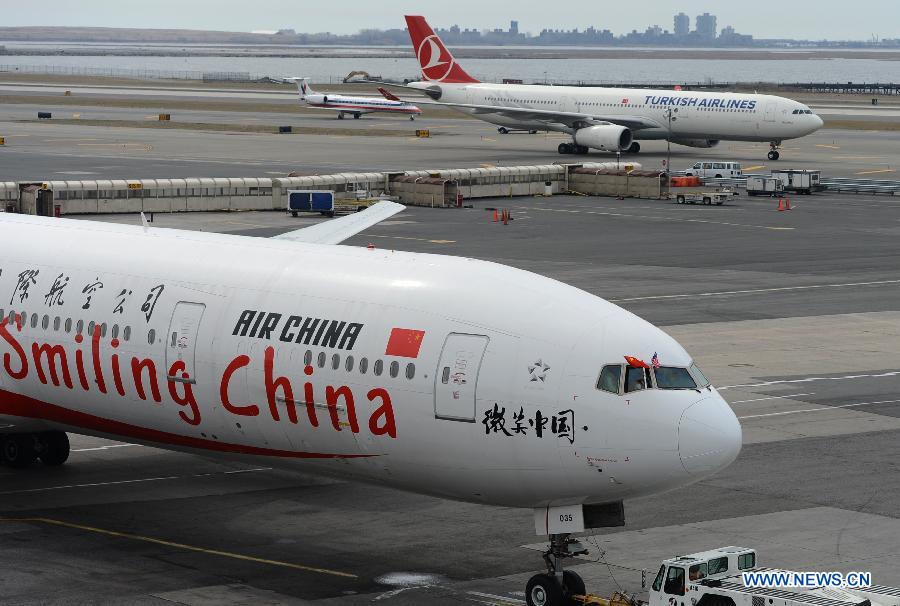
(311, 201)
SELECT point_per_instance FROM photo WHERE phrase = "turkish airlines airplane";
(355, 106)
(353, 363)
(608, 119)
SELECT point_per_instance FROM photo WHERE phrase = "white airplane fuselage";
(434, 374)
(696, 116)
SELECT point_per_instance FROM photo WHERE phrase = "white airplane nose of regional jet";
(709, 436)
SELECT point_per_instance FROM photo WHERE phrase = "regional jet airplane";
(609, 119)
(349, 362)
(355, 106)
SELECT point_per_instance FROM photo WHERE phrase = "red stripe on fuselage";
(17, 405)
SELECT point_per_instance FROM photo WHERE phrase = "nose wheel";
(773, 150)
(557, 587)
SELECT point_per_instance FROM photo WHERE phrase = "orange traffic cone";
(787, 205)
(495, 215)
(780, 204)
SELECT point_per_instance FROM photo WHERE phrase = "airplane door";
(456, 380)
(770, 111)
(182, 342)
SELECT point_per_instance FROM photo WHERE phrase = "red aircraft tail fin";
(438, 64)
(388, 94)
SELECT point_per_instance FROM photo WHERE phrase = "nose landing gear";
(773, 150)
(556, 587)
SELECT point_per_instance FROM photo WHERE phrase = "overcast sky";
(810, 19)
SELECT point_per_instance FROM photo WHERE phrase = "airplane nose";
(819, 121)
(709, 436)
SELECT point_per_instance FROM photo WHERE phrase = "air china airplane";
(608, 119)
(348, 362)
(355, 106)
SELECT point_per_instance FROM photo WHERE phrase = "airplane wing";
(335, 231)
(573, 120)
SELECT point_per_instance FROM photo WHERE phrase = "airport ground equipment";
(803, 181)
(763, 185)
(717, 170)
(703, 195)
(714, 578)
(305, 201)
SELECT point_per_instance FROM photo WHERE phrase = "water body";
(635, 71)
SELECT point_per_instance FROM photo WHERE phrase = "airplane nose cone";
(709, 436)
(819, 122)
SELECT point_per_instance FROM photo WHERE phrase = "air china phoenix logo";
(435, 59)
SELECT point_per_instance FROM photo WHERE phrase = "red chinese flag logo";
(404, 342)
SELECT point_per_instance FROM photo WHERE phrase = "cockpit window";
(699, 377)
(610, 377)
(673, 377)
(636, 379)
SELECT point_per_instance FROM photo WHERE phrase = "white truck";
(714, 578)
(763, 185)
(716, 170)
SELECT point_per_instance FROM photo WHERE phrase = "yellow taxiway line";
(216, 552)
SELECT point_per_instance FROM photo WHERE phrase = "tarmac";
(794, 315)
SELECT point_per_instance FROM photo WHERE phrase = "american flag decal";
(404, 342)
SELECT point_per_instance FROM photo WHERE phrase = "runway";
(794, 315)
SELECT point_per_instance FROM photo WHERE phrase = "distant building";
(706, 26)
(514, 27)
(729, 37)
(682, 25)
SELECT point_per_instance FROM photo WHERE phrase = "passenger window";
(348, 363)
(378, 368)
(56, 322)
(697, 572)
(321, 360)
(718, 566)
(335, 362)
(610, 378)
(673, 377)
(103, 329)
(635, 379)
(395, 369)
(445, 375)
(363, 366)
(657, 582)
(746, 560)
(307, 358)
(410, 371)
(115, 331)
(126, 334)
(34, 320)
(151, 336)
(91, 329)
(675, 581)
(45, 324)
(79, 327)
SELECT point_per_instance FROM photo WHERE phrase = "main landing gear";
(19, 450)
(572, 148)
(773, 150)
(556, 587)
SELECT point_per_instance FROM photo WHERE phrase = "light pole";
(669, 112)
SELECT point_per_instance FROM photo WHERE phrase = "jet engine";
(607, 137)
(697, 142)
(316, 99)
